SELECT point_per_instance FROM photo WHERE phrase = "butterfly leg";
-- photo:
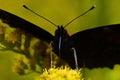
(51, 55)
(75, 57)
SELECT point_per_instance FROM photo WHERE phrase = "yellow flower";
(60, 74)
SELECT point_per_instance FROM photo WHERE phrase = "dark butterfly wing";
(97, 47)
(24, 25)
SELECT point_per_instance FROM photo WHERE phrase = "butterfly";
(96, 47)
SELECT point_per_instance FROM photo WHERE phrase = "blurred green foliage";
(60, 12)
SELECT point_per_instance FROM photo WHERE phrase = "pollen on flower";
(60, 74)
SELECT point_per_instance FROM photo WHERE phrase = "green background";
(61, 12)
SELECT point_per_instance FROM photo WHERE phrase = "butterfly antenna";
(39, 15)
(79, 16)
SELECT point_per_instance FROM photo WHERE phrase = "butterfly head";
(61, 31)
(60, 40)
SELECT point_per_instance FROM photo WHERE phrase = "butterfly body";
(62, 46)
(97, 47)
